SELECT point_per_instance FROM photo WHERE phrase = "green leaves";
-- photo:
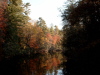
(16, 20)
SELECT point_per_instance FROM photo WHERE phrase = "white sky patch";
(47, 9)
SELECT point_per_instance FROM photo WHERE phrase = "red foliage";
(34, 38)
(54, 62)
(53, 39)
(33, 43)
(3, 5)
(33, 64)
(49, 36)
(56, 39)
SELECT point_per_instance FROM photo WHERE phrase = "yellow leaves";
(42, 38)
(24, 47)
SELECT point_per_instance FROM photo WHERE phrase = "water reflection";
(43, 64)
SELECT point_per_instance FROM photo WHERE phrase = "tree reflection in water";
(42, 65)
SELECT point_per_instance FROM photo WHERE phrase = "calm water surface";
(44, 64)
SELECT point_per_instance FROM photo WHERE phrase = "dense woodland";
(19, 35)
(81, 39)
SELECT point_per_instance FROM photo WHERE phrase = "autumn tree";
(36, 38)
(26, 35)
(42, 24)
(58, 37)
(54, 38)
(32, 37)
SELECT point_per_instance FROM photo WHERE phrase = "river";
(39, 64)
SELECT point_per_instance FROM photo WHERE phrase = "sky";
(47, 9)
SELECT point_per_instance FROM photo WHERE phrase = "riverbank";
(35, 64)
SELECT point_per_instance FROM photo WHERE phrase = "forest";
(81, 39)
(76, 46)
(20, 35)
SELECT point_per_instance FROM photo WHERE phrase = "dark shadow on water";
(88, 63)
(8, 67)
(35, 65)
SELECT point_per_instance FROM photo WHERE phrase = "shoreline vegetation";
(81, 39)
(77, 44)
(20, 35)
(37, 64)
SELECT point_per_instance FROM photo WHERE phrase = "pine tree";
(16, 18)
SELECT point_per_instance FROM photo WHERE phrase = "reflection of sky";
(59, 72)
(47, 9)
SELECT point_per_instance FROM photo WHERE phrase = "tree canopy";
(20, 35)
(81, 35)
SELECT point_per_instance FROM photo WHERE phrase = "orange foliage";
(34, 31)
(37, 38)
(49, 36)
(38, 65)
(53, 39)
(33, 64)
(48, 63)
(33, 43)
(53, 62)
(56, 39)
